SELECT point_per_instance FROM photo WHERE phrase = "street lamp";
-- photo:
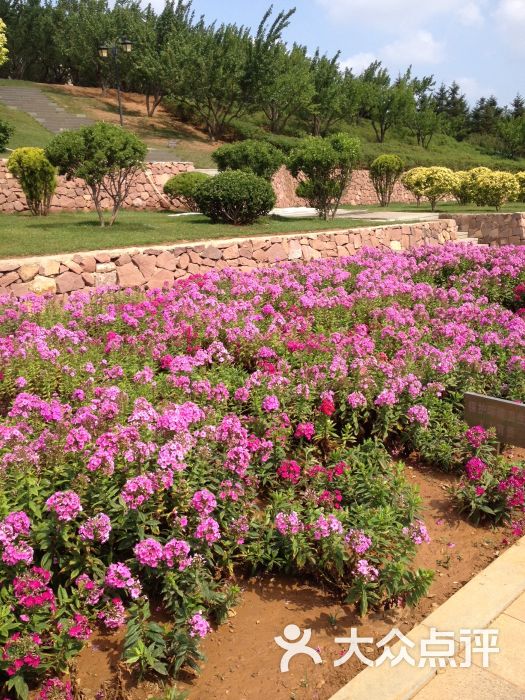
(105, 51)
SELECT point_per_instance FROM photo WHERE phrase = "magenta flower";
(149, 552)
(199, 626)
(65, 504)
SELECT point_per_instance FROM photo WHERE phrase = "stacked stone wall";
(154, 267)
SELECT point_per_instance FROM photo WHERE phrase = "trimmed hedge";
(184, 188)
(250, 156)
(235, 197)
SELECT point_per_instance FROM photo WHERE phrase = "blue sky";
(479, 43)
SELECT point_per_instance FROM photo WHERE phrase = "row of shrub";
(242, 192)
(481, 186)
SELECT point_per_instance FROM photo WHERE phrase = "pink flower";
(208, 529)
(96, 529)
(290, 471)
(65, 504)
(176, 552)
(204, 502)
(55, 689)
(366, 570)
(270, 403)
(418, 414)
(119, 576)
(476, 436)
(114, 614)
(137, 491)
(199, 626)
(80, 628)
(306, 430)
(288, 523)
(358, 541)
(475, 468)
(417, 532)
(149, 552)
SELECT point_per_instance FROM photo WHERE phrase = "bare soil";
(242, 659)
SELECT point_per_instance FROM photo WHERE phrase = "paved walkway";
(494, 599)
(366, 214)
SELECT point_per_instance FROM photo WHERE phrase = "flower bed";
(152, 447)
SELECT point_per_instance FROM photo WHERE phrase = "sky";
(478, 43)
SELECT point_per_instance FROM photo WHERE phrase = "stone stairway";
(463, 237)
(41, 108)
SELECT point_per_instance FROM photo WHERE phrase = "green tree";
(37, 178)
(512, 136)
(386, 103)
(385, 171)
(324, 167)
(327, 106)
(422, 118)
(213, 73)
(157, 59)
(105, 156)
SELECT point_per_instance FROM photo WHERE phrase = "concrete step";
(36, 103)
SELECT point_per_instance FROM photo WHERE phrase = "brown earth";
(242, 659)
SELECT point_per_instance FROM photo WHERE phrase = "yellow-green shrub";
(434, 183)
(37, 177)
(414, 180)
(462, 189)
(520, 177)
(494, 188)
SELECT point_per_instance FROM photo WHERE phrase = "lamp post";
(105, 51)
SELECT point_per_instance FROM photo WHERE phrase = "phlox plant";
(156, 446)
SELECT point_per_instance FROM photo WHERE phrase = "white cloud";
(470, 15)
(473, 89)
(418, 47)
(390, 14)
(358, 62)
(510, 16)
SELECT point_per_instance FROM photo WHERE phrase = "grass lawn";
(28, 132)
(21, 234)
(442, 208)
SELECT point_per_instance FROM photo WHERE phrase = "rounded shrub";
(494, 188)
(520, 177)
(385, 171)
(184, 188)
(413, 180)
(434, 183)
(235, 197)
(257, 157)
(37, 177)
(462, 189)
(6, 131)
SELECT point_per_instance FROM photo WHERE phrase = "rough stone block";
(49, 268)
(130, 276)
(28, 272)
(167, 261)
(9, 265)
(69, 282)
(160, 278)
(43, 285)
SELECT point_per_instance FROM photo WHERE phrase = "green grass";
(28, 132)
(21, 234)
(441, 208)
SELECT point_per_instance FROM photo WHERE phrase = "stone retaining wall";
(145, 193)
(155, 266)
(360, 190)
(494, 229)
